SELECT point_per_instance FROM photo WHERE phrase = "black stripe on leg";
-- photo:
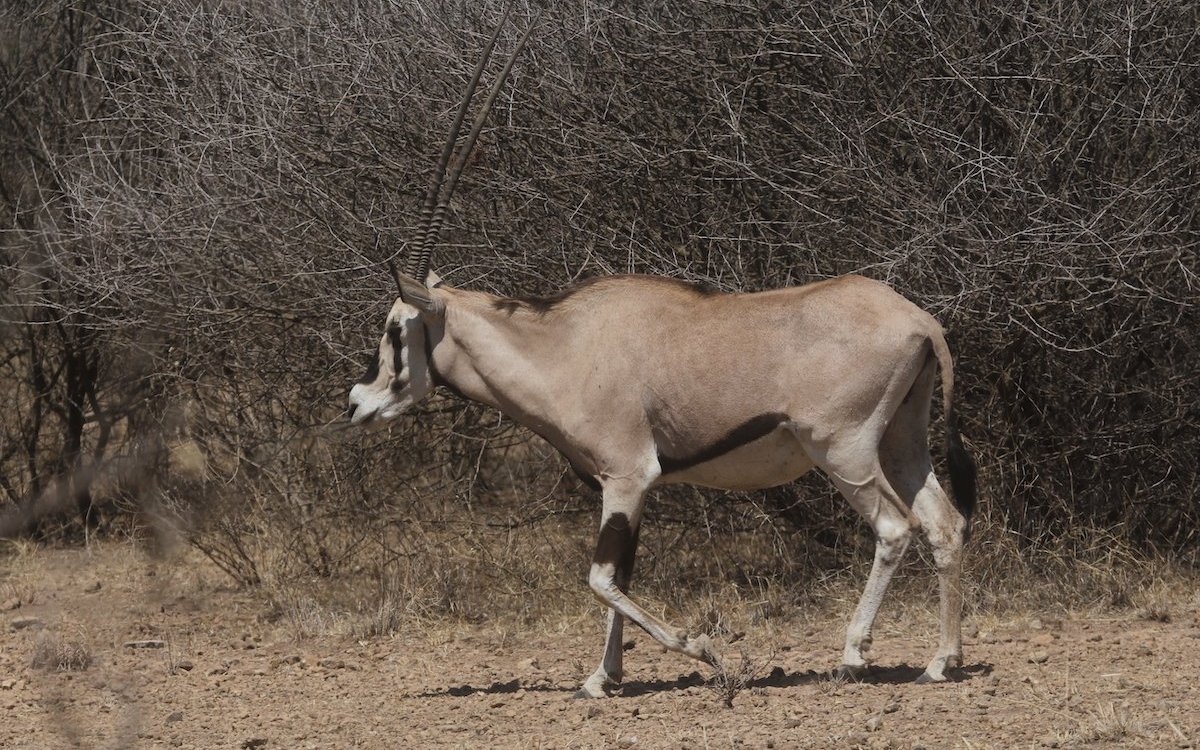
(617, 547)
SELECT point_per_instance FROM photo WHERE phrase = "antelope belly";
(774, 459)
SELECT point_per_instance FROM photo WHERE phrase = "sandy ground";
(229, 677)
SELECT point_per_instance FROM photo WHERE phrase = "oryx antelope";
(642, 381)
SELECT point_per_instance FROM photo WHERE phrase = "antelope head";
(400, 374)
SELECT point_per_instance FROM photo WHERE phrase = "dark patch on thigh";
(747, 432)
(617, 546)
(930, 361)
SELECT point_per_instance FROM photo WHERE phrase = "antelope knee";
(892, 540)
(602, 580)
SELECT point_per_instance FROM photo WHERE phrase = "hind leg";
(869, 492)
(944, 526)
(904, 455)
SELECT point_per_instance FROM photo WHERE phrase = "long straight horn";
(419, 263)
(424, 221)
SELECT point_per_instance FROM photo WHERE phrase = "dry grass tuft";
(55, 653)
(1107, 723)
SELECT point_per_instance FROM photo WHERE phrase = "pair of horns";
(441, 187)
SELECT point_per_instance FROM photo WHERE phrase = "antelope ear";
(419, 296)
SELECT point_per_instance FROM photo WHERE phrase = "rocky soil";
(103, 649)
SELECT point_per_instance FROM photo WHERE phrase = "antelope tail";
(958, 461)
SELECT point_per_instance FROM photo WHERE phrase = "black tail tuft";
(962, 471)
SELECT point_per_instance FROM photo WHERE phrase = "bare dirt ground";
(227, 676)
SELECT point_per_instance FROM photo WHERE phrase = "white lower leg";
(944, 526)
(889, 550)
(949, 653)
(673, 639)
(610, 672)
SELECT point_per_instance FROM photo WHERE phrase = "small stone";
(891, 708)
(627, 741)
(529, 665)
(174, 717)
(10, 604)
(874, 723)
(593, 712)
(92, 587)
(1042, 639)
(1143, 650)
(281, 661)
(1039, 657)
(151, 643)
(26, 623)
(988, 691)
(1036, 624)
(185, 665)
(1095, 637)
(254, 743)
(331, 663)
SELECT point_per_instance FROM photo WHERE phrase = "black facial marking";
(747, 432)
(617, 546)
(372, 369)
(393, 335)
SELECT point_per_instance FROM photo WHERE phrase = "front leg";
(610, 671)
(612, 566)
(621, 546)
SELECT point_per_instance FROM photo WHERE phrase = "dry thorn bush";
(729, 679)
(190, 251)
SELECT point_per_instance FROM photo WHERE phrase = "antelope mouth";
(359, 416)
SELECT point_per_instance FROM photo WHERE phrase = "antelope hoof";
(597, 686)
(593, 691)
(701, 648)
(926, 678)
(936, 671)
(851, 672)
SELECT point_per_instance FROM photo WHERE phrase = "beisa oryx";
(642, 381)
